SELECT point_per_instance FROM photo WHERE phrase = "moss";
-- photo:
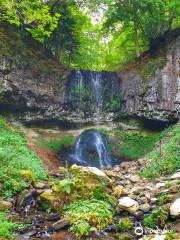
(151, 66)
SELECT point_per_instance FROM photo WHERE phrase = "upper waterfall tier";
(92, 93)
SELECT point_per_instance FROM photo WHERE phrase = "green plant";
(158, 217)
(14, 157)
(81, 228)
(124, 236)
(96, 213)
(125, 224)
(163, 198)
(167, 159)
(171, 235)
(6, 226)
(58, 144)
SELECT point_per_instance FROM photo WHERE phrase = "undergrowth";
(58, 144)
(6, 227)
(14, 157)
(133, 144)
(88, 215)
(165, 159)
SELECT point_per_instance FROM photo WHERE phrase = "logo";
(140, 231)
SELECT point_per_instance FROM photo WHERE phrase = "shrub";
(158, 217)
(125, 224)
(92, 212)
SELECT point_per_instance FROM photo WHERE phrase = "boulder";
(90, 170)
(5, 205)
(128, 204)
(175, 208)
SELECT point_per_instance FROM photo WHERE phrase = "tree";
(65, 39)
(33, 16)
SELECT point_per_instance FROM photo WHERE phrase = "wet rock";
(27, 199)
(175, 208)
(61, 224)
(128, 204)
(5, 205)
(53, 217)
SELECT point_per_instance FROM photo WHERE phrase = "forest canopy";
(96, 34)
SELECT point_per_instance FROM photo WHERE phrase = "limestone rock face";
(175, 208)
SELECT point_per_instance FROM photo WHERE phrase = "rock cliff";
(34, 87)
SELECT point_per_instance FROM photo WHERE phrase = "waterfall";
(91, 149)
(79, 81)
(96, 82)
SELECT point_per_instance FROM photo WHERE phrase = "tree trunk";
(58, 53)
(136, 37)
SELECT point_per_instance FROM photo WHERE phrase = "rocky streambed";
(40, 209)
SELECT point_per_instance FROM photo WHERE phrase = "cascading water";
(79, 80)
(91, 149)
(96, 80)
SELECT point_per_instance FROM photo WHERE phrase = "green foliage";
(134, 144)
(93, 212)
(6, 227)
(125, 224)
(124, 236)
(113, 103)
(81, 228)
(58, 144)
(158, 218)
(151, 66)
(163, 198)
(14, 157)
(34, 16)
(166, 158)
(171, 235)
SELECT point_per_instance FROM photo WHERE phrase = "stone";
(145, 207)
(175, 175)
(61, 224)
(53, 217)
(119, 191)
(39, 185)
(160, 185)
(91, 170)
(5, 205)
(128, 204)
(175, 208)
(134, 178)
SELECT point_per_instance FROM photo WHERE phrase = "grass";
(133, 144)
(166, 160)
(14, 157)
(6, 227)
(58, 144)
